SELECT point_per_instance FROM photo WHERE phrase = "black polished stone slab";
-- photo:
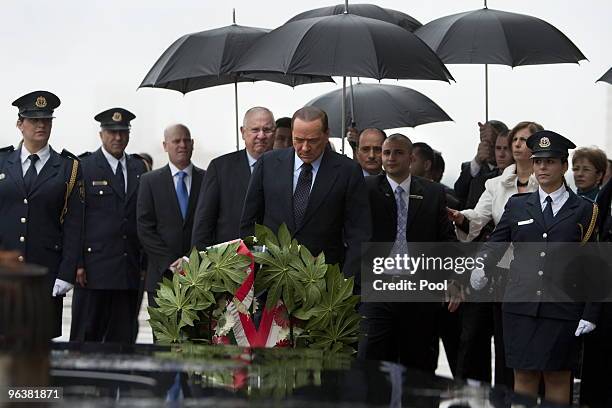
(97, 375)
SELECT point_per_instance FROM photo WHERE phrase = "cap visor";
(553, 154)
(37, 115)
(115, 127)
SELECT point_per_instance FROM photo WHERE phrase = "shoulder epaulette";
(83, 155)
(7, 149)
(139, 157)
(67, 154)
(590, 200)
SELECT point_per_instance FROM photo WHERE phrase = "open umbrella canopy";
(208, 58)
(364, 10)
(344, 45)
(490, 36)
(381, 106)
(607, 77)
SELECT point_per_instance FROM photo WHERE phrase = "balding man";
(217, 217)
(166, 204)
(369, 151)
(319, 194)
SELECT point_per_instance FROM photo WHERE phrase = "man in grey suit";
(319, 194)
(166, 203)
(217, 217)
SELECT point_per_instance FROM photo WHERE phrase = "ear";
(164, 144)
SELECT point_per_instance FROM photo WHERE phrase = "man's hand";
(455, 216)
(454, 296)
(584, 327)
(478, 280)
(485, 152)
(487, 132)
(177, 266)
(60, 288)
(81, 277)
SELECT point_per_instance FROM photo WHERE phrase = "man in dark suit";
(217, 216)
(40, 200)
(166, 203)
(404, 208)
(104, 305)
(318, 193)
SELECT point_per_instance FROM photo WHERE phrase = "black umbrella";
(364, 10)
(344, 45)
(489, 36)
(381, 106)
(607, 77)
(207, 58)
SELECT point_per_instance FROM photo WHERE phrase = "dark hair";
(310, 114)
(284, 122)
(438, 162)
(401, 138)
(370, 129)
(499, 126)
(425, 151)
(147, 157)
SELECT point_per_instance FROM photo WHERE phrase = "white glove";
(584, 327)
(478, 280)
(60, 288)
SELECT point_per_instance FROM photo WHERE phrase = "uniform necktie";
(182, 194)
(31, 174)
(120, 179)
(301, 194)
(548, 212)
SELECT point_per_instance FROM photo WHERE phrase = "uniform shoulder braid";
(142, 159)
(7, 149)
(65, 153)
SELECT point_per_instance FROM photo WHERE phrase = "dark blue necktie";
(182, 194)
(31, 173)
(119, 178)
(301, 194)
(548, 212)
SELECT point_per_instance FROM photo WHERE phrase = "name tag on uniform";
(2, 176)
(525, 222)
(100, 183)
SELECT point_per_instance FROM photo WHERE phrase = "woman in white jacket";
(482, 320)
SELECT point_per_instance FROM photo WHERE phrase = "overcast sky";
(94, 55)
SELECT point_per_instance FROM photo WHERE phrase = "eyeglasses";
(266, 130)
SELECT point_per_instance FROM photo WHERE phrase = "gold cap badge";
(544, 142)
(117, 117)
(41, 102)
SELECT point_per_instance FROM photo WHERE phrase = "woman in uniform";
(540, 328)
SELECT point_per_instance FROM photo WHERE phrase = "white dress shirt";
(175, 177)
(113, 162)
(43, 157)
(297, 169)
(559, 197)
(251, 161)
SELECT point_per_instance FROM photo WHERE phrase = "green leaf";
(310, 272)
(225, 269)
(264, 234)
(339, 291)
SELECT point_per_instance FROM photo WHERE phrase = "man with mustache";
(369, 151)
(217, 216)
(105, 302)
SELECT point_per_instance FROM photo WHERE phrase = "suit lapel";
(534, 208)
(108, 172)
(49, 170)
(170, 190)
(15, 171)
(196, 183)
(133, 175)
(244, 172)
(415, 200)
(325, 179)
(388, 199)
